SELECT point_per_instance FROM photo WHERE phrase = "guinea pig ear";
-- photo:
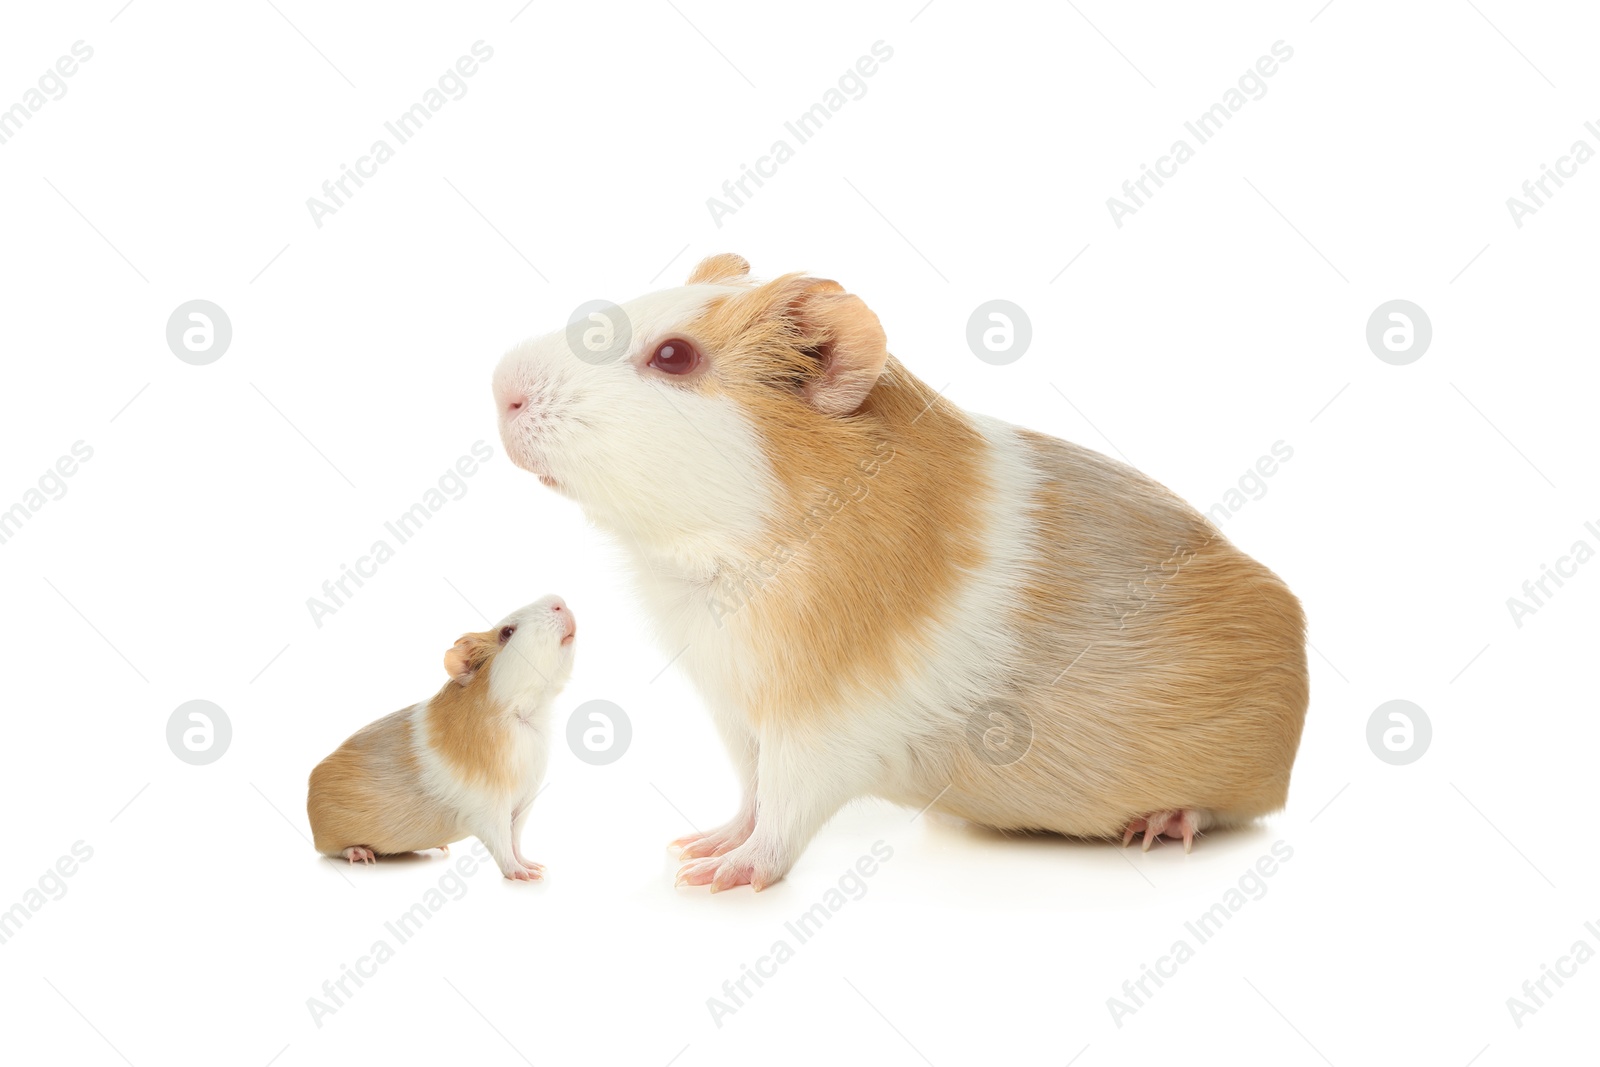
(722, 267)
(464, 658)
(838, 330)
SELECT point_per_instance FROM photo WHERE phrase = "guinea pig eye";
(506, 632)
(675, 356)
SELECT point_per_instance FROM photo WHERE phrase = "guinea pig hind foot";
(1176, 823)
(359, 854)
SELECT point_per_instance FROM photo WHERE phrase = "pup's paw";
(359, 854)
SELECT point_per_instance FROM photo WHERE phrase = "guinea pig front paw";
(716, 842)
(526, 872)
(359, 854)
(739, 867)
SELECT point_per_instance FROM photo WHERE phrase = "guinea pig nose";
(511, 397)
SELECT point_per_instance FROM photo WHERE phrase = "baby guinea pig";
(467, 761)
(877, 592)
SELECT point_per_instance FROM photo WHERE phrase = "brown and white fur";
(467, 762)
(882, 594)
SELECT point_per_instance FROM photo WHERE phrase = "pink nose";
(509, 398)
(564, 613)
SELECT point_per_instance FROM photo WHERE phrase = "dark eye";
(675, 356)
(506, 632)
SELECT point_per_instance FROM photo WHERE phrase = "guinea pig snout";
(565, 620)
(511, 398)
(519, 385)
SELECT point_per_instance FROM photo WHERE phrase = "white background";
(1226, 315)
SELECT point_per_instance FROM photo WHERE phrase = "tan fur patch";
(367, 793)
(1185, 681)
(883, 506)
(468, 731)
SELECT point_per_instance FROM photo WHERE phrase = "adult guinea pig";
(467, 761)
(883, 594)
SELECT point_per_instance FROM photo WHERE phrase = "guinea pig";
(466, 762)
(882, 594)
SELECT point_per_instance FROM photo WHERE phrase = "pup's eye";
(506, 632)
(676, 356)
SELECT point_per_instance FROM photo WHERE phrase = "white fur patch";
(657, 464)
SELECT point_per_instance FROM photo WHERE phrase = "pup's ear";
(470, 652)
(842, 334)
(722, 267)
